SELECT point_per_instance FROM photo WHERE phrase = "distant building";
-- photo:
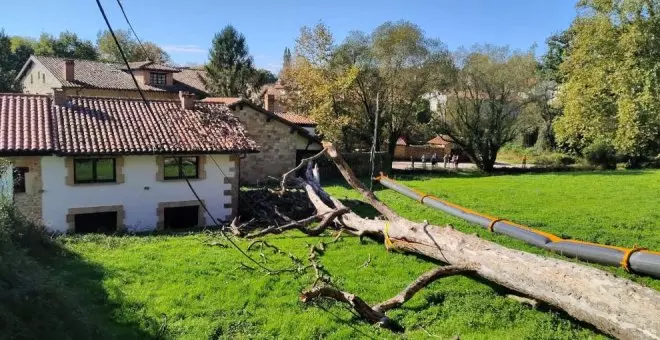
(41, 74)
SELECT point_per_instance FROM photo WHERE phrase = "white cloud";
(184, 48)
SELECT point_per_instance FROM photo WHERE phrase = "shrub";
(35, 303)
(554, 160)
(601, 154)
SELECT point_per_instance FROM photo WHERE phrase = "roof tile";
(29, 123)
(25, 124)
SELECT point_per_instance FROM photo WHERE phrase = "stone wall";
(30, 202)
(277, 145)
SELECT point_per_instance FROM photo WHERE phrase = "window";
(31, 79)
(157, 79)
(180, 167)
(102, 222)
(94, 170)
(19, 179)
(181, 217)
(43, 77)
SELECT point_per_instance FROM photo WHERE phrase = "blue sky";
(185, 28)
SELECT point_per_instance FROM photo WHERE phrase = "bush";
(35, 303)
(554, 160)
(601, 154)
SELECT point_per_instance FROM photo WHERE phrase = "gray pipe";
(639, 261)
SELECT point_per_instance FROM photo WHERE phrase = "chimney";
(68, 69)
(269, 103)
(187, 100)
(59, 98)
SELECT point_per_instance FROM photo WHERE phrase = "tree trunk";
(614, 305)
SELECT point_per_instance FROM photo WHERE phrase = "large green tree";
(610, 94)
(489, 91)
(66, 45)
(133, 50)
(7, 68)
(230, 71)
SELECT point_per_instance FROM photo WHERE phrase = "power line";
(144, 50)
(150, 111)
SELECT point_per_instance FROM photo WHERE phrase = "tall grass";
(34, 304)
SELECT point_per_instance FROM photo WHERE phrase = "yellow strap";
(388, 243)
(625, 262)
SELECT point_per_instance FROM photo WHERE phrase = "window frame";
(179, 164)
(154, 75)
(95, 179)
(20, 171)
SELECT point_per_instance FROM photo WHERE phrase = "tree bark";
(616, 306)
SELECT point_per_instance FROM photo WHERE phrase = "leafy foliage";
(66, 45)
(108, 50)
(486, 99)
(611, 89)
(385, 74)
(10, 63)
(601, 154)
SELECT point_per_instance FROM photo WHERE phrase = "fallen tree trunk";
(616, 306)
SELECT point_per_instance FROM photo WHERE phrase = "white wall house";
(140, 193)
(85, 164)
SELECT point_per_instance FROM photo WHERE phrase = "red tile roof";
(297, 119)
(439, 140)
(25, 125)
(117, 126)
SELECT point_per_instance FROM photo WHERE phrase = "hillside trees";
(610, 94)
(489, 91)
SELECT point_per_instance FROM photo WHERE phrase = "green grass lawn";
(184, 287)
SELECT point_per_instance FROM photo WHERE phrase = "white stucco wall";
(139, 194)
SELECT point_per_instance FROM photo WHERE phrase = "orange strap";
(492, 224)
(625, 262)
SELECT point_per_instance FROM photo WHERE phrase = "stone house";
(104, 164)
(41, 74)
(282, 142)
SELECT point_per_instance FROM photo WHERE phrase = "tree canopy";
(610, 94)
(385, 73)
(66, 45)
(132, 48)
(489, 90)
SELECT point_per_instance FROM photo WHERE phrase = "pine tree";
(230, 67)
(286, 59)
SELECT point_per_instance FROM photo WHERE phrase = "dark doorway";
(103, 222)
(181, 217)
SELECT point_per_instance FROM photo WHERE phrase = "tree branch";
(421, 282)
